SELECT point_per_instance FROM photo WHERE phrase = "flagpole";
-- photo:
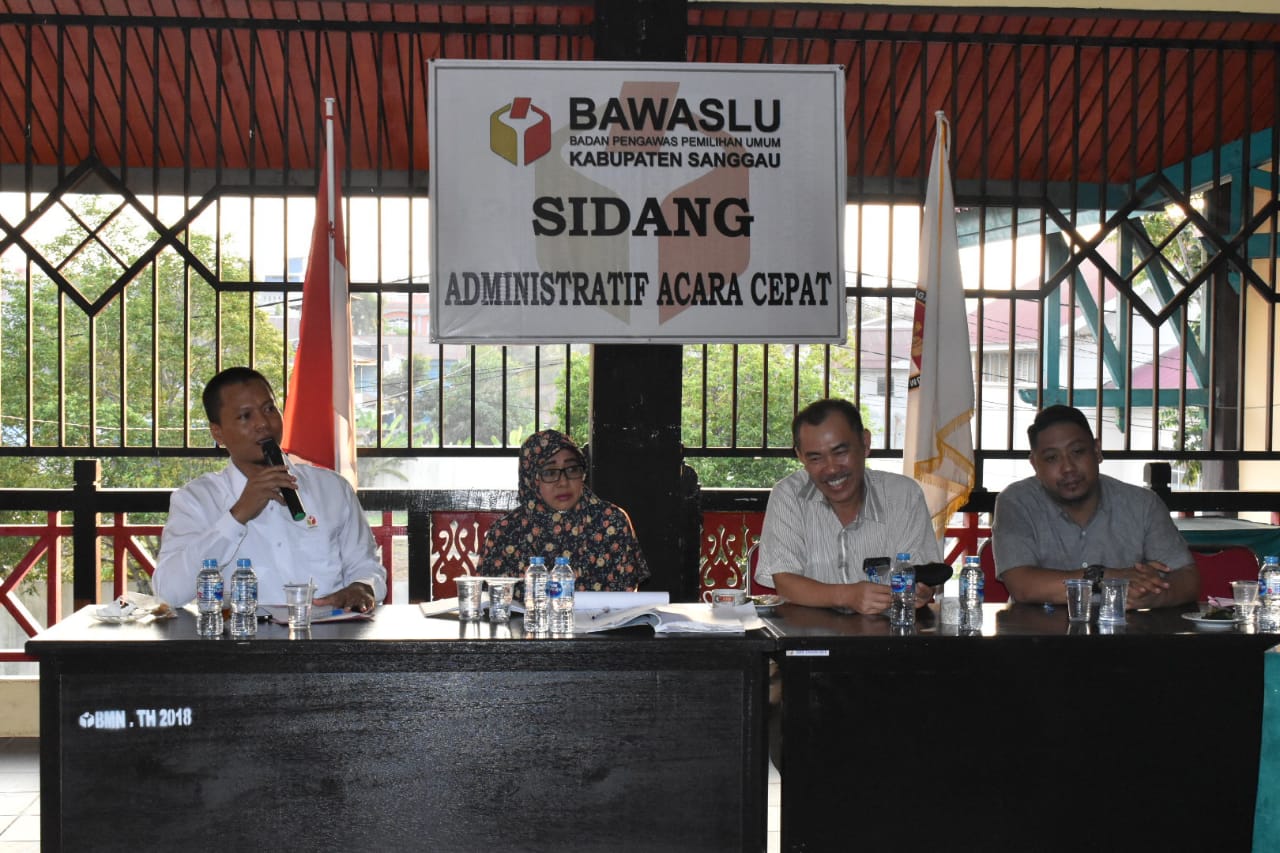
(338, 307)
(339, 313)
(329, 179)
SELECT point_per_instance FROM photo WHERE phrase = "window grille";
(1117, 255)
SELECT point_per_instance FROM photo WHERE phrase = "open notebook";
(604, 611)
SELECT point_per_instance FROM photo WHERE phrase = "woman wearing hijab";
(560, 517)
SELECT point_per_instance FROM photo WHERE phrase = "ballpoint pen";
(601, 612)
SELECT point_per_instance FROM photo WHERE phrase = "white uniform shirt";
(333, 545)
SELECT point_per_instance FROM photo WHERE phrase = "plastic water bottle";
(971, 583)
(560, 594)
(1269, 593)
(244, 601)
(209, 600)
(536, 617)
(902, 585)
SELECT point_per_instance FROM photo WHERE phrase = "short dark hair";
(818, 411)
(212, 396)
(1057, 415)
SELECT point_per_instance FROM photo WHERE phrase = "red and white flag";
(939, 445)
(319, 418)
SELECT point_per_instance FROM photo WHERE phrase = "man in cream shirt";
(825, 519)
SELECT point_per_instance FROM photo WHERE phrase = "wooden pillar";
(86, 566)
(1223, 474)
(636, 453)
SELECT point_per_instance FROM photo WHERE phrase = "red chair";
(456, 539)
(757, 588)
(727, 551)
(1218, 568)
(993, 589)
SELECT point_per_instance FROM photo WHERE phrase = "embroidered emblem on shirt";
(311, 521)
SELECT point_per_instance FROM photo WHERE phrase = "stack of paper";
(697, 618)
(604, 611)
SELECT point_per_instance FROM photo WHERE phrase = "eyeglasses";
(552, 475)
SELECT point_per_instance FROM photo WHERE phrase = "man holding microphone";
(243, 511)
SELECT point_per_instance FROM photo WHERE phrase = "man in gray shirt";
(825, 519)
(1069, 521)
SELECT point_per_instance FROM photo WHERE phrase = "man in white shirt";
(240, 512)
(824, 520)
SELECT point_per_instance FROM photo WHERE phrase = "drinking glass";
(297, 596)
(500, 591)
(1115, 591)
(468, 598)
(1245, 594)
(1079, 599)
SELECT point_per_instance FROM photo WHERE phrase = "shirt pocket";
(316, 547)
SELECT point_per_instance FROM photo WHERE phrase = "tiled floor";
(20, 798)
(775, 808)
(19, 795)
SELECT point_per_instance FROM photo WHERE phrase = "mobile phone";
(877, 569)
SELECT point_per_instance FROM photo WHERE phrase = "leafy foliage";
(502, 385)
(129, 376)
(797, 375)
(773, 382)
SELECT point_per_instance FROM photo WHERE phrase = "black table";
(1018, 739)
(403, 733)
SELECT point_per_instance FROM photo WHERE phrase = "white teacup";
(727, 597)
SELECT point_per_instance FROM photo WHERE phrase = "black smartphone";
(877, 569)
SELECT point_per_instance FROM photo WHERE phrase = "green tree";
(130, 376)
(575, 406)
(501, 384)
(795, 378)
(717, 409)
(1185, 252)
(1191, 440)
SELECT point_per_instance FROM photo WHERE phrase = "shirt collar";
(236, 477)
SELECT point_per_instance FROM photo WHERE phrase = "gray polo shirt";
(802, 534)
(1131, 524)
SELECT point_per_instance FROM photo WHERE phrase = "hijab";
(594, 534)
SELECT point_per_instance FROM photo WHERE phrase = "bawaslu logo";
(519, 132)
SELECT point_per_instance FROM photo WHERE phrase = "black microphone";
(933, 574)
(271, 452)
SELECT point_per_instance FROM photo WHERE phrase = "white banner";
(634, 202)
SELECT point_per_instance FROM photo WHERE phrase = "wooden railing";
(440, 530)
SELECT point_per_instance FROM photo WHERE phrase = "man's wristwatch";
(1093, 574)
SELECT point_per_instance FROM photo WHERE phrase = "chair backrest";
(757, 588)
(456, 538)
(993, 590)
(727, 553)
(1220, 566)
